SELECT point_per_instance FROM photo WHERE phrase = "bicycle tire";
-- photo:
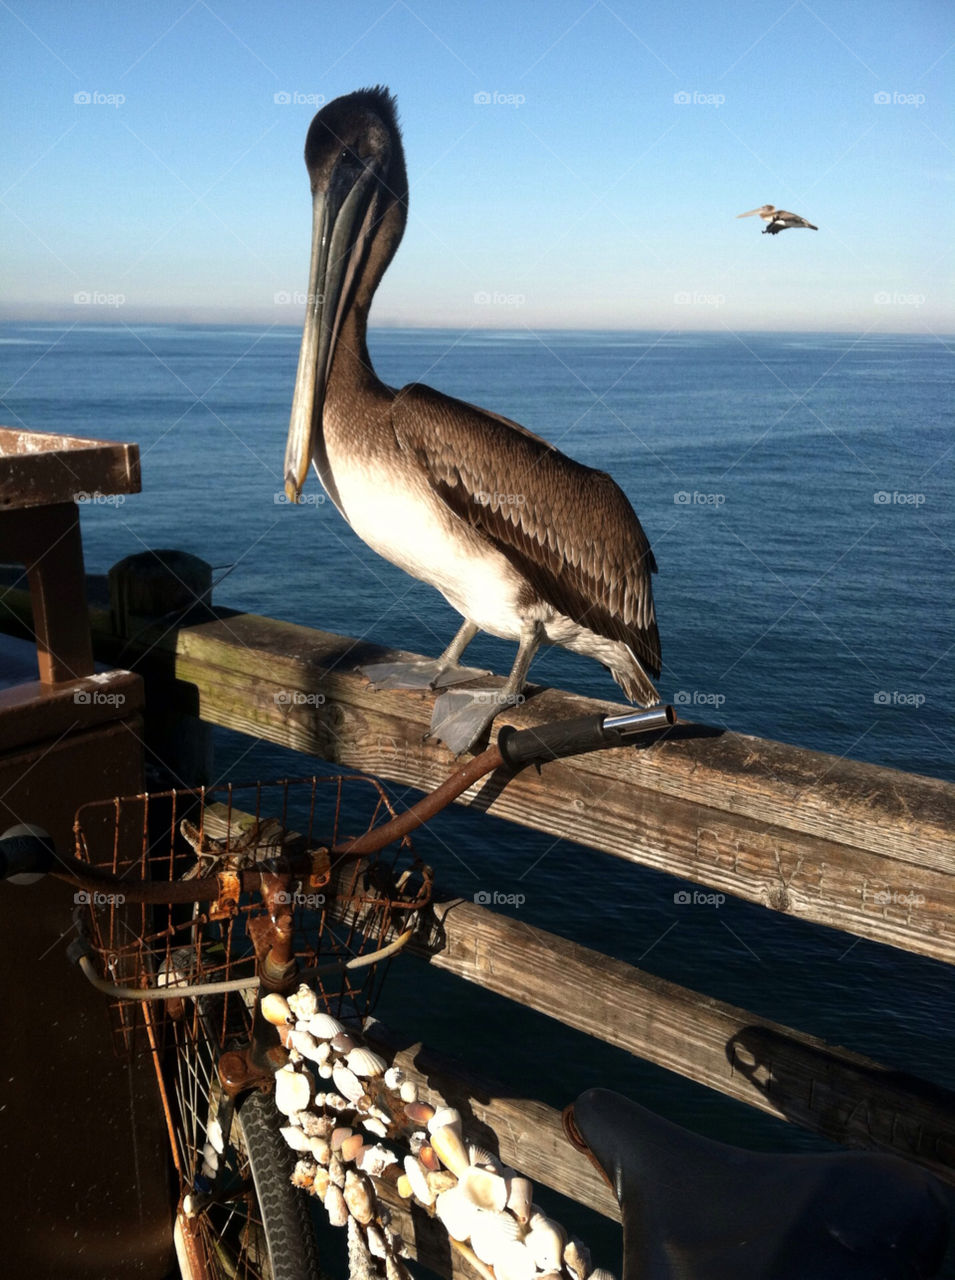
(260, 1228)
(290, 1238)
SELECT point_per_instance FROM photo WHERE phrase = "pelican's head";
(763, 209)
(359, 202)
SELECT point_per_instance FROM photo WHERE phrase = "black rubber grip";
(521, 747)
(25, 855)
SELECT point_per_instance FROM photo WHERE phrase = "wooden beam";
(854, 846)
(830, 1091)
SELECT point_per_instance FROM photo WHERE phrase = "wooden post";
(153, 592)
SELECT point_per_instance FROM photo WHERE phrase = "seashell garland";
(341, 1139)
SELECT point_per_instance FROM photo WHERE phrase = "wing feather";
(568, 529)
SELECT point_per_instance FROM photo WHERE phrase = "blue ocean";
(798, 493)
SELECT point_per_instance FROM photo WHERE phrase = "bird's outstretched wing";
(567, 528)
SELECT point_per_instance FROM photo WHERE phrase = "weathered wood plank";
(853, 846)
(830, 1091)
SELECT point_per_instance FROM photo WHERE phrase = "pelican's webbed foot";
(431, 674)
(462, 717)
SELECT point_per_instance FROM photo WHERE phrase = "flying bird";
(524, 542)
(777, 219)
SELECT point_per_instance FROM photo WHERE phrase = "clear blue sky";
(597, 188)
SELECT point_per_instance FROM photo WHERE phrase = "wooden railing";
(864, 849)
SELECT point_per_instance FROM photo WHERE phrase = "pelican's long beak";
(341, 223)
(751, 212)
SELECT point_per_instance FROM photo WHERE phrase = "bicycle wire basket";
(344, 908)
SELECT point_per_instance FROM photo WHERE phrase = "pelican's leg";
(424, 673)
(462, 716)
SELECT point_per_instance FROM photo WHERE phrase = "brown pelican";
(521, 540)
(777, 219)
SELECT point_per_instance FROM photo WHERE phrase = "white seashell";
(393, 1077)
(457, 1213)
(304, 1042)
(325, 1071)
(214, 1135)
(365, 1063)
(520, 1195)
(485, 1189)
(418, 1140)
(334, 1101)
(514, 1262)
(376, 1126)
(295, 1138)
(450, 1149)
(276, 1009)
(408, 1091)
(293, 1090)
(546, 1240)
(415, 1173)
(323, 1026)
(375, 1160)
(359, 1197)
(303, 1175)
(577, 1259)
(210, 1159)
(377, 1245)
(446, 1118)
(440, 1180)
(347, 1083)
(320, 1148)
(335, 1206)
(304, 1004)
(491, 1232)
(483, 1159)
(601, 1273)
(336, 1170)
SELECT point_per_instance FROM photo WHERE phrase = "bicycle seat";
(694, 1209)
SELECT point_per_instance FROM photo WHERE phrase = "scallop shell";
(546, 1240)
(485, 1189)
(520, 1195)
(293, 1090)
(457, 1213)
(359, 1197)
(295, 1138)
(491, 1232)
(577, 1259)
(323, 1026)
(483, 1159)
(514, 1262)
(335, 1206)
(450, 1149)
(275, 1009)
(365, 1063)
(304, 1004)
(446, 1118)
(414, 1172)
(347, 1083)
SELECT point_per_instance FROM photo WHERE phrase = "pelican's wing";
(568, 529)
